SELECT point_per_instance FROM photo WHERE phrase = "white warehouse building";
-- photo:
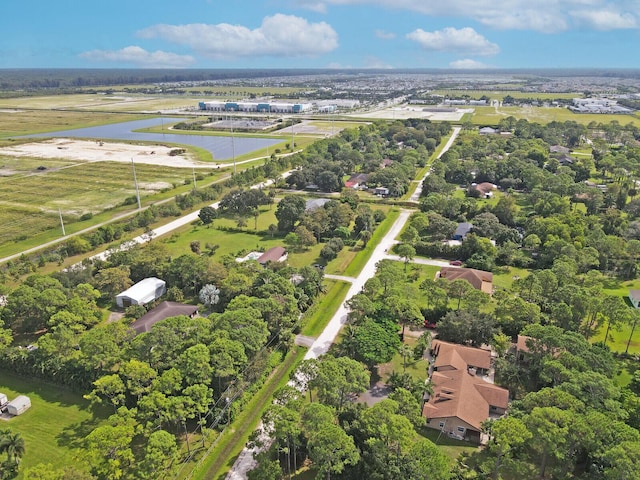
(262, 107)
(143, 292)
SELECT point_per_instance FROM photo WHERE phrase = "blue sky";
(320, 34)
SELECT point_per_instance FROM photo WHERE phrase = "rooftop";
(479, 279)
(161, 312)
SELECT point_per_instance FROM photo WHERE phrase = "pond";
(221, 147)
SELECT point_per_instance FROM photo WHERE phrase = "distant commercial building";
(598, 105)
(258, 107)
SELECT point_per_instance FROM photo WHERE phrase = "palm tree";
(13, 445)
(405, 351)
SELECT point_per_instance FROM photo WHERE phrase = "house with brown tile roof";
(274, 254)
(479, 279)
(462, 399)
(163, 311)
(451, 356)
(485, 188)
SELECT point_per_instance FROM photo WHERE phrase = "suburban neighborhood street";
(321, 345)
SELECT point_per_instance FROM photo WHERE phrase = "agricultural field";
(100, 102)
(24, 122)
(30, 199)
(54, 425)
(492, 116)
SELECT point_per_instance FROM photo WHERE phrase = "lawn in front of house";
(55, 425)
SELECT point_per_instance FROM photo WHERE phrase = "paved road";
(321, 345)
(421, 261)
(157, 232)
(416, 195)
(169, 227)
(340, 277)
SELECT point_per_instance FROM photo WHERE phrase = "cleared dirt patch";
(90, 151)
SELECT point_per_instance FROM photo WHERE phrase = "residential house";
(559, 149)
(634, 296)
(386, 162)
(275, 254)
(479, 279)
(566, 160)
(462, 230)
(161, 312)
(315, 203)
(382, 191)
(462, 399)
(485, 188)
(487, 131)
(357, 180)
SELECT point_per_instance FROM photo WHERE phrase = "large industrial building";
(255, 107)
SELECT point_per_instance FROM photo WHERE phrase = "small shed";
(18, 405)
(144, 291)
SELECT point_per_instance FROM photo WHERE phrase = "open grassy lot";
(316, 318)
(500, 94)
(618, 338)
(25, 122)
(54, 425)
(99, 102)
(416, 368)
(492, 116)
(29, 201)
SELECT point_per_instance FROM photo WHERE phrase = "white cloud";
(283, 35)
(467, 64)
(313, 5)
(542, 15)
(463, 40)
(604, 19)
(385, 35)
(140, 57)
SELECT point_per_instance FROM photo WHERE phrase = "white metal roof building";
(144, 291)
(18, 405)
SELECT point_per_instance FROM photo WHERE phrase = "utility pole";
(193, 170)
(233, 147)
(135, 180)
(61, 222)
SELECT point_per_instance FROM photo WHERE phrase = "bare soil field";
(90, 151)
(404, 112)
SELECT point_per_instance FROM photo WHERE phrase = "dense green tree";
(289, 211)
(338, 379)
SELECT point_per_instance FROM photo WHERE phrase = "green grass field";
(54, 425)
(492, 116)
(316, 318)
(500, 94)
(24, 122)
